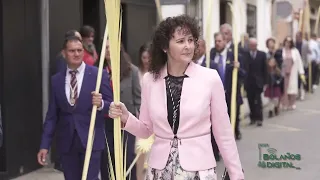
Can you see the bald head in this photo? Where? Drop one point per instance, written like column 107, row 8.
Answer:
column 226, row 30
column 253, row 40
column 253, row 44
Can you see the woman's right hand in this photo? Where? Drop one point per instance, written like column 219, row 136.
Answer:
column 119, row 110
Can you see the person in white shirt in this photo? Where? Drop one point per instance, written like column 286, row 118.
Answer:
column 315, row 59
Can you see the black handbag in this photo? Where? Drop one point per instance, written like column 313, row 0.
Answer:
column 225, row 175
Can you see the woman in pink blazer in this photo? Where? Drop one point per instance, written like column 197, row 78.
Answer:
column 181, row 101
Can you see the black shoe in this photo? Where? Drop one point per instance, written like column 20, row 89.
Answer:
column 58, row 166
column 252, row 122
column 276, row 111
column 259, row 123
column 270, row 114
column 238, row 136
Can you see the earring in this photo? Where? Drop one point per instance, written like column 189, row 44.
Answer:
column 165, row 51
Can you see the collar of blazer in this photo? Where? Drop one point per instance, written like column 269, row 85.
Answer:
column 190, row 71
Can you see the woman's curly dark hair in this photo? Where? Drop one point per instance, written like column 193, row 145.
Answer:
column 162, row 36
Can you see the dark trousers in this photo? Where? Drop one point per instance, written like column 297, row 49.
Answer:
column 72, row 162
column 130, row 155
column 57, row 163
column 237, row 128
column 306, row 74
column 255, row 104
column 315, row 73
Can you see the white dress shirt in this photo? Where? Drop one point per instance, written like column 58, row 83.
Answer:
column 201, row 59
column 79, row 76
column 228, row 45
column 315, row 51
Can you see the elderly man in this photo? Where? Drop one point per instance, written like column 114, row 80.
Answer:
column 256, row 80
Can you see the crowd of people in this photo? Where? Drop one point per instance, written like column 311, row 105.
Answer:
column 172, row 94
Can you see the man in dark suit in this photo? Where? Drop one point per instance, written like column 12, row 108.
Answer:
column 222, row 60
column 256, row 67
column 69, row 113
column 226, row 30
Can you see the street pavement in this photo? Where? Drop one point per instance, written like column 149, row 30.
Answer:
column 292, row 132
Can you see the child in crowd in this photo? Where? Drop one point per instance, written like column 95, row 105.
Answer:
column 273, row 90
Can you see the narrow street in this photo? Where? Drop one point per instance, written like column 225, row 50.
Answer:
column 294, row 132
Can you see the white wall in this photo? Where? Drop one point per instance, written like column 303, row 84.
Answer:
column 172, row 10
column 239, row 19
column 263, row 22
column 215, row 23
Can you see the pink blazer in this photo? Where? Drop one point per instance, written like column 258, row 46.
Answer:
column 202, row 105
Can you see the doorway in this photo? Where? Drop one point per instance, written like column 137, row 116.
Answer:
column 91, row 16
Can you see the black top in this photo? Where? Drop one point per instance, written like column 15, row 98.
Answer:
column 175, row 84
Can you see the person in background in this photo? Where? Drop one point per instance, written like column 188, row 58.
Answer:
column 292, row 67
column 223, row 61
column 245, row 43
column 181, row 103
column 303, row 47
column 60, row 60
column 144, row 65
column 90, row 55
column 144, row 59
column 69, row 113
column 131, row 96
column 315, row 60
column 275, row 53
column 255, row 82
column 273, row 90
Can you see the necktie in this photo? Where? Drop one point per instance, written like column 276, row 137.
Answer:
column 221, row 68
column 253, row 54
column 73, row 87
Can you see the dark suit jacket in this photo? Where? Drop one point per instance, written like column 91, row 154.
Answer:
column 256, row 71
column 241, row 51
column 228, row 73
column 64, row 119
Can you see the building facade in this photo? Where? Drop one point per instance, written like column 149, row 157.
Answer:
column 251, row 16
column 286, row 22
